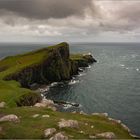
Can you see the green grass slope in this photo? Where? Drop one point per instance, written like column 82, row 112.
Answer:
column 13, row 64
column 33, row 128
column 11, row 91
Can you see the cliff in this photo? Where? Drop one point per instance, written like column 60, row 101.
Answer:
column 51, row 64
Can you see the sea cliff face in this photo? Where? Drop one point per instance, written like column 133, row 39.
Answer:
column 43, row 66
column 56, row 65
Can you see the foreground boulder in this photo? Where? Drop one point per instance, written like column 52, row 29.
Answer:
column 10, row 118
column 49, row 132
column 59, row 136
column 68, row 123
column 107, row 135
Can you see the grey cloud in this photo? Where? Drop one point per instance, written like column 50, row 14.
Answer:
column 45, row 9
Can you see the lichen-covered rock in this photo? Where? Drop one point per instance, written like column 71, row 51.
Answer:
column 2, row 104
column 40, row 105
column 68, row 123
column 53, row 108
column 59, row 136
column 49, row 132
column 35, row 115
column 92, row 137
column 47, row 102
column 46, row 116
column 106, row 135
column 10, row 118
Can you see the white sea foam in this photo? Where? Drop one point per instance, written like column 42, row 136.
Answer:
column 134, row 55
column 89, row 67
column 122, row 65
column 43, row 90
column 80, row 69
column 73, row 78
column 53, row 84
column 72, row 82
column 81, row 74
column 89, row 53
column 67, row 106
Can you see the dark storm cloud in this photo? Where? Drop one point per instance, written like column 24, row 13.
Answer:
column 45, row 9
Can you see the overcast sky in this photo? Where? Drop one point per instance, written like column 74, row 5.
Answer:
column 70, row 20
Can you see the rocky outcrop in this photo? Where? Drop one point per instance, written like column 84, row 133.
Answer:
column 106, row 135
column 82, row 60
column 49, row 132
column 59, row 136
column 28, row 99
column 10, row 118
column 56, row 65
column 46, row 103
column 68, row 123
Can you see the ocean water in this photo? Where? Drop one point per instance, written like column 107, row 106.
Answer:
column 111, row 85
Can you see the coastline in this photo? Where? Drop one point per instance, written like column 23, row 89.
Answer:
column 31, row 100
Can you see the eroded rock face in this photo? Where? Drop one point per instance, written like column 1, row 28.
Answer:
column 29, row 99
column 107, row 135
column 68, row 123
column 59, row 136
column 10, row 118
column 49, row 132
column 2, row 104
column 46, row 103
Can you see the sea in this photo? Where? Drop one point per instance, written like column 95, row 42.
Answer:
column 112, row 85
